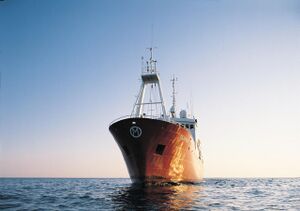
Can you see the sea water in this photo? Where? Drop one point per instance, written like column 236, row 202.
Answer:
column 121, row 194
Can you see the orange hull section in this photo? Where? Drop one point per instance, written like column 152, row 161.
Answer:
column 157, row 151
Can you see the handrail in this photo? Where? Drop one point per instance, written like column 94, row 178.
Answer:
column 122, row 117
column 133, row 116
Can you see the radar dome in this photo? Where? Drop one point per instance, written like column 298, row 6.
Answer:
column 182, row 114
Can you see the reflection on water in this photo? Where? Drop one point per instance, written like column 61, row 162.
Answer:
column 167, row 196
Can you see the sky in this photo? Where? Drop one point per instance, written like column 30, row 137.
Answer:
column 69, row 68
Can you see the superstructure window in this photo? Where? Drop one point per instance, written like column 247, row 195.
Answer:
column 160, row 149
column 192, row 126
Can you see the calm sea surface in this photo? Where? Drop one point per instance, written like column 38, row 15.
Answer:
column 120, row 194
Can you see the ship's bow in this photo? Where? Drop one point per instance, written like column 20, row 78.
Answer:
column 156, row 150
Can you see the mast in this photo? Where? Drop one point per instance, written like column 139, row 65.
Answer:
column 173, row 108
column 150, row 78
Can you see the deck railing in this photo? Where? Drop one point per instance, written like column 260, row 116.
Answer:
column 142, row 116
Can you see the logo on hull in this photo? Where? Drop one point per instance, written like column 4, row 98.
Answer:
column 135, row 131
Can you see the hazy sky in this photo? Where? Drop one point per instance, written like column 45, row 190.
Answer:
column 68, row 68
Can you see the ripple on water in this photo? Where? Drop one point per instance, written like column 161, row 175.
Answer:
column 120, row 194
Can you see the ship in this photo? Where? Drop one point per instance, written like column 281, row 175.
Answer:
column 157, row 146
